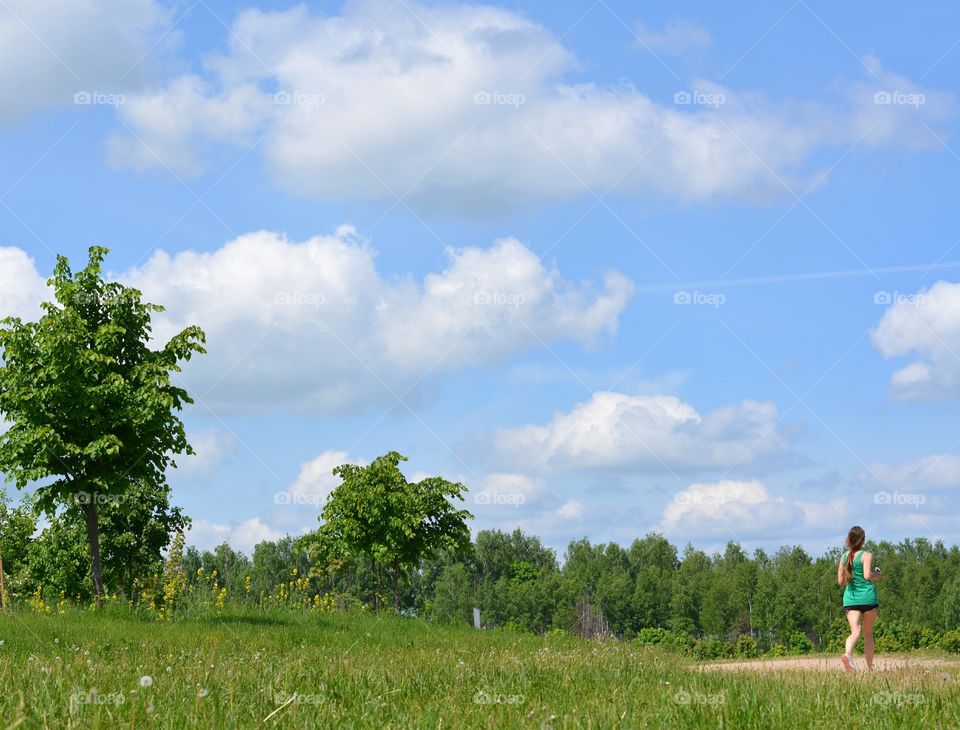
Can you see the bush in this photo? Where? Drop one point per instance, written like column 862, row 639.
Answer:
column 929, row 639
column 950, row 641
column 652, row 636
column 800, row 643
column 669, row 640
column 746, row 648
column 779, row 650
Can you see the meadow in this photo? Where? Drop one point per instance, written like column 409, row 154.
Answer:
column 276, row 668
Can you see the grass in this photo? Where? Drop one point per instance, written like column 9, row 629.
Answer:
column 358, row 671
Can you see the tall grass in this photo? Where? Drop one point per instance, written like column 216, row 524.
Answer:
column 246, row 668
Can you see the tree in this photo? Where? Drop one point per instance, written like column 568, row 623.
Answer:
column 90, row 403
column 134, row 532
column 17, row 526
column 377, row 513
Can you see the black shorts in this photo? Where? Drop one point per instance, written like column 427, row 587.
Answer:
column 861, row 608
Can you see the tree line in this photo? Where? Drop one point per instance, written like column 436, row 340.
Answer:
column 92, row 418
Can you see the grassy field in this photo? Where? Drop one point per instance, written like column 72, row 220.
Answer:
column 82, row 670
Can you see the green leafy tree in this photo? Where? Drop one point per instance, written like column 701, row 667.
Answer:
column 376, row 512
column 134, row 533
column 92, row 406
column 17, row 525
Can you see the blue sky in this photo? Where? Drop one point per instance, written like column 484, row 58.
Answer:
column 687, row 268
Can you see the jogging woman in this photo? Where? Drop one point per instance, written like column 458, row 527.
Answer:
column 859, row 597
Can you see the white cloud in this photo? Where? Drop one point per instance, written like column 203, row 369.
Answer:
column 927, row 326
column 677, row 37
column 744, row 509
column 646, row 433
column 316, row 480
column 21, row 286
column 314, row 326
column 53, row 49
column 467, row 108
column 212, row 446
column 927, row 472
column 242, row 536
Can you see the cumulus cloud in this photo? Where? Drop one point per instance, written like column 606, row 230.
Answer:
column 315, row 480
column 927, row 326
column 21, row 286
column 242, row 536
column 467, row 108
column 314, row 326
column 731, row 509
column 637, row 433
column 54, row 49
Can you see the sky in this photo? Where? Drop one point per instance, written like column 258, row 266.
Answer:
column 688, row 268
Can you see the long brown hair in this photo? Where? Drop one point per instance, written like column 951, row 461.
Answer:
column 855, row 539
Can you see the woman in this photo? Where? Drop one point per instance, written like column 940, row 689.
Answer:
column 859, row 597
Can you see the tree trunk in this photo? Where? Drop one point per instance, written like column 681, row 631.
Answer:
column 395, row 570
column 3, row 587
column 93, row 536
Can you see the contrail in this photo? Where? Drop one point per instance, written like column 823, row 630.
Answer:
column 783, row 278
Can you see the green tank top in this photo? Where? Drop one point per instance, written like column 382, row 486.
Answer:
column 859, row 591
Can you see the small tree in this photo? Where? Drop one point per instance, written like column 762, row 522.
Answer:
column 377, row 513
column 90, row 402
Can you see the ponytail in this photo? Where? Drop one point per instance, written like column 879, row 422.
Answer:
column 855, row 539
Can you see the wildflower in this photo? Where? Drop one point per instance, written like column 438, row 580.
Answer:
column 146, row 681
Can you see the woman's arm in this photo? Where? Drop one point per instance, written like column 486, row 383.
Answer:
column 868, row 571
column 840, row 572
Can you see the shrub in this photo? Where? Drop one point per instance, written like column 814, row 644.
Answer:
column 950, row 641
column 929, row 639
column 800, row 643
column 778, row 650
column 746, row 647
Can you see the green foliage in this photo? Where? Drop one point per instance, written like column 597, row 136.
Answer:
column 376, row 513
column 950, row 641
column 800, row 643
column 747, row 648
column 91, row 405
column 453, row 596
column 135, row 530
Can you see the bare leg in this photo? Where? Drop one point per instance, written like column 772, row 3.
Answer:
column 869, row 619
column 853, row 618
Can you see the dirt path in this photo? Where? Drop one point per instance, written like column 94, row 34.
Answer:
column 823, row 664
